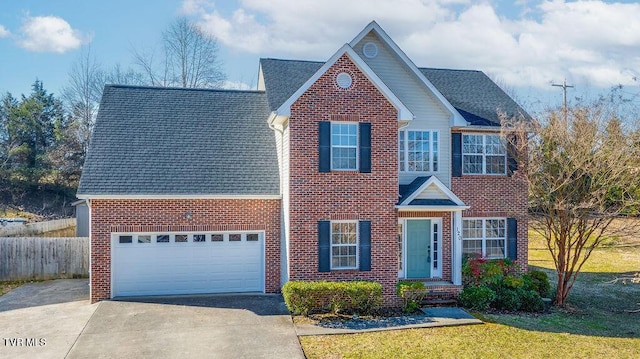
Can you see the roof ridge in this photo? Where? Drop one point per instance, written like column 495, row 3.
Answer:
column 446, row 69
column 147, row 87
column 292, row 60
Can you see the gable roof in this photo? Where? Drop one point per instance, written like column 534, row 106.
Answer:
column 175, row 141
column 472, row 93
column 403, row 112
column 409, row 194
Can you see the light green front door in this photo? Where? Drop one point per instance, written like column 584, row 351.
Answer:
column 418, row 248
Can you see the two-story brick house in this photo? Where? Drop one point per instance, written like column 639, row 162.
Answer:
column 360, row 167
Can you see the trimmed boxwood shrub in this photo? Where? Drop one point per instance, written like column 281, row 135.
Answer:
column 530, row 301
column 538, row 281
column 507, row 299
column 477, row 297
column 412, row 294
column 323, row 297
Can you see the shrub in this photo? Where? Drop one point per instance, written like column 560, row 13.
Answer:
column 530, row 301
column 490, row 272
column 507, row 299
column 412, row 294
column 323, row 297
column 512, row 281
column 477, row 297
column 538, row 281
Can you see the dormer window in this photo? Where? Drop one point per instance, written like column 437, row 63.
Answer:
column 418, row 151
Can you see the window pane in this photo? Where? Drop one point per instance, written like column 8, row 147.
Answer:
column 343, row 244
column 472, row 164
column 235, row 237
column 496, row 164
column 419, row 151
column 495, row 228
column 472, row 247
column 199, row 238
column 495, row 248
column 252, row 237
column 126, row 239
column 144, row 239
column 217, row 237
column 181, row 238
column 401, row 150
column 472, row 144
column 162, row 238
column 344, row 146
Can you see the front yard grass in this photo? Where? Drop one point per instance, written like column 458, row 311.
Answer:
column 596, row 323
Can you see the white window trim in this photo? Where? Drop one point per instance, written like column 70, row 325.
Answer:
column 190, row 234
column 435, row 272
column 357, row 244
column 484, row 235
column 357, row 146
column 484, row 156
column 405, row 150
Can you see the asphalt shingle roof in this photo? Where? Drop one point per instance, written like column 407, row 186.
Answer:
column 476, row 97
column 172, row 141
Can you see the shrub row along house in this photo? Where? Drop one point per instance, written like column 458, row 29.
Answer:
column 361, row 167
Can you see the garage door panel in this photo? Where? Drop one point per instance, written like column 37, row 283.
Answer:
column 187, row 267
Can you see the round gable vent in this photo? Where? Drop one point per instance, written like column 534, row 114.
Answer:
column 344, row 80
column 370, row 50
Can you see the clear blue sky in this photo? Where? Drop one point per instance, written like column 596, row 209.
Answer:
column 526, row 45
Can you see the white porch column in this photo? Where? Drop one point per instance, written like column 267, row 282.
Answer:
column 456, row 258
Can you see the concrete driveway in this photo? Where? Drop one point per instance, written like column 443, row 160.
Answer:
column 211, row 326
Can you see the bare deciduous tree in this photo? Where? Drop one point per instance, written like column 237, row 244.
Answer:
column 83, row 93
column 189, row 58
column 582, row 171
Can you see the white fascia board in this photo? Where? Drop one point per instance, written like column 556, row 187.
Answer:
column 404, row 114
column 402, row 208
column 433, row 180
column 478, row 128
column 456, row 117
column 177, row 196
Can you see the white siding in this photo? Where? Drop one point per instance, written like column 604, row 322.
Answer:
column 430, row 113
column 432, row 192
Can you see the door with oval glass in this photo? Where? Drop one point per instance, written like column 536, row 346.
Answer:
column 418, row 248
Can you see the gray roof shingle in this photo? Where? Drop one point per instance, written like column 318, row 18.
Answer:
column 174, row 141
column 472, row 93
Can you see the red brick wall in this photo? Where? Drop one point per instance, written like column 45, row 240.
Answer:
column 148, row 215
column 343, row 195
column 497, row 196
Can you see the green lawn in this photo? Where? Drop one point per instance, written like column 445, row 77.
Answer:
column 595, row 325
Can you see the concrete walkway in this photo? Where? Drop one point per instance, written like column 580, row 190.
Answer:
column 54, row 319
column 433, row 317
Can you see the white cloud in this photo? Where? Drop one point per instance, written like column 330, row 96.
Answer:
column 50, row 34
column 4, row 32
column 591, row 42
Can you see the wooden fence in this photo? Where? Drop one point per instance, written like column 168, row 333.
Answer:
column 30, row 229
column 43, row 258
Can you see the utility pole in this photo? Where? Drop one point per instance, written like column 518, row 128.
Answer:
column 564, row 94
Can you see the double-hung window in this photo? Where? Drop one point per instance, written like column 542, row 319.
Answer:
column 344, row 245
column 484, row 154
column 344, row 146
column 485, row 237
column 418, row 151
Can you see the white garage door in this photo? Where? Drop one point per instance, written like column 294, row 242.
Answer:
column 186, row 263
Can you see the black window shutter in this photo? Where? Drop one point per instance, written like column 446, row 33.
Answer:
column 456, row 155
column 365, row 147
column 512, row 238
column 324, row 246
column 324, row 146
column 512, row 163
column 365, row 245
